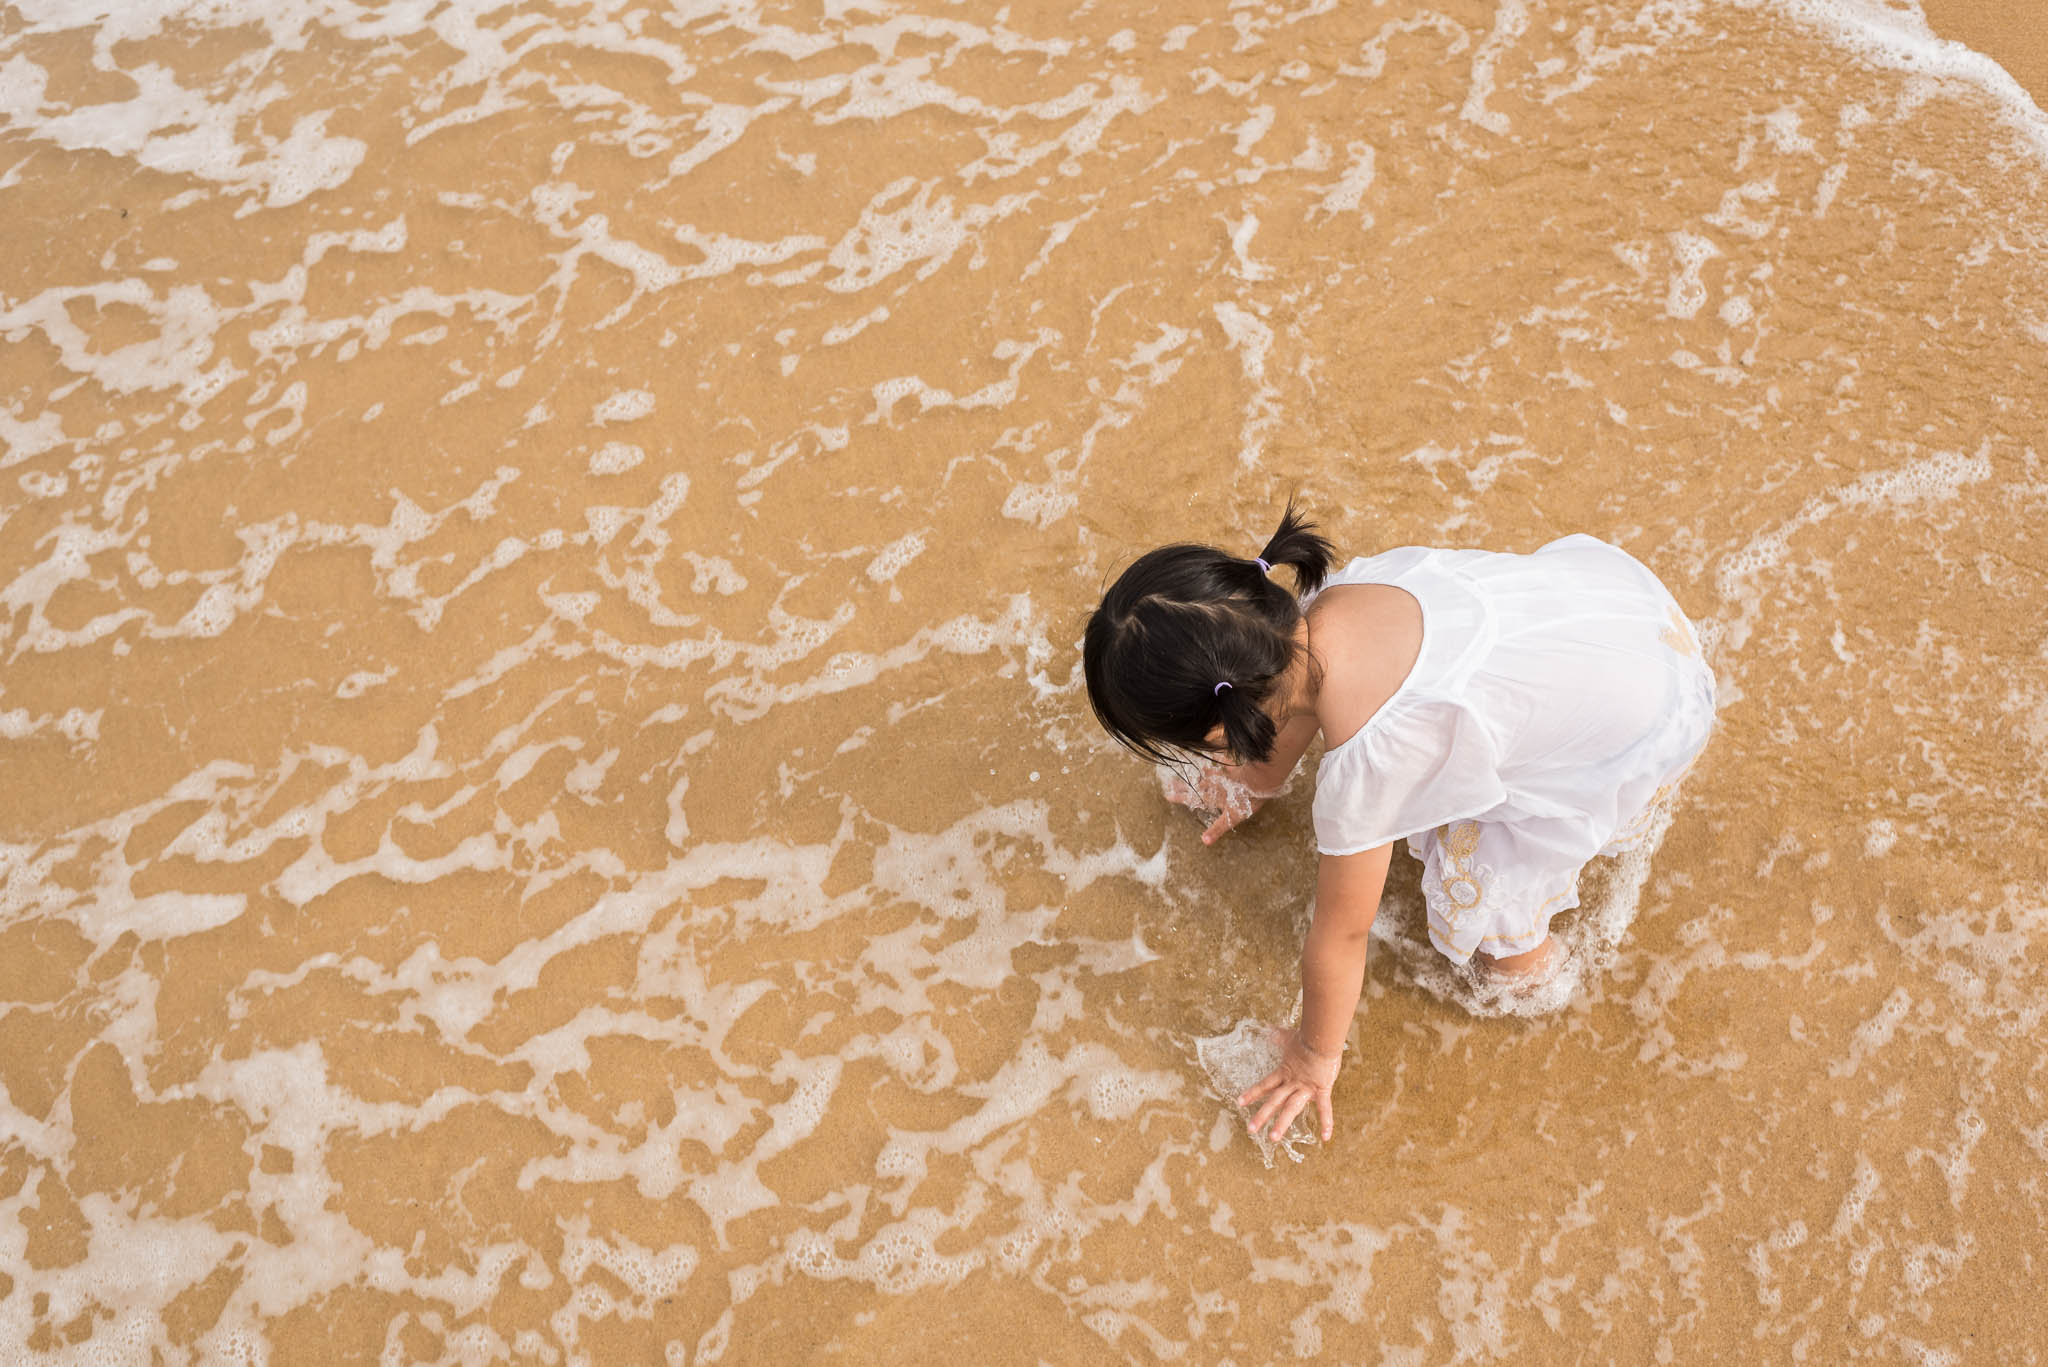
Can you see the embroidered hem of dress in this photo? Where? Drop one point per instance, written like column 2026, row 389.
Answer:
column 1454, row 892
column 1454, row 888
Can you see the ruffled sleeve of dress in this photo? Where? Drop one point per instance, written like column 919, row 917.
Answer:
column 1425, row 757
column 1428, row 763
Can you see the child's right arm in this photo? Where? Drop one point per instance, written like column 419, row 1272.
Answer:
column 1348, row 889
column 1239, row 789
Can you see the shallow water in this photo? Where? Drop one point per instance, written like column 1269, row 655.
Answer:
column 548, row 810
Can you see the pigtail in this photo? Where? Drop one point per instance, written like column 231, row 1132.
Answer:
column 1300, row 545
column 1248, row 732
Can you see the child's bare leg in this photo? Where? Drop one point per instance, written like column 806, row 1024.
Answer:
column 1528, row 964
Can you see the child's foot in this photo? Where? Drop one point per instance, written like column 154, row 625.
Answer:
column 1530, row 966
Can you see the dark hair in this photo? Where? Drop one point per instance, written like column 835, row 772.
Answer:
column 1184, row 619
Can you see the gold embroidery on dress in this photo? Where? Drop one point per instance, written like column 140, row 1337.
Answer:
column 1678, row 635
column 1541, row 924
column 1457, row 842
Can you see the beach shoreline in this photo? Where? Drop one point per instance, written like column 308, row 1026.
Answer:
column 2009, row 32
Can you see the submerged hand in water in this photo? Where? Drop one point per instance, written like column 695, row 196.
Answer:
column 1210, row 789
column 1301, row 1076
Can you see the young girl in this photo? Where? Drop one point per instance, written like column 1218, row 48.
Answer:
column 1511, row 715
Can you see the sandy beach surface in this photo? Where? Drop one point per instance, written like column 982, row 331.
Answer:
column 548, row 813
column 2013, row 33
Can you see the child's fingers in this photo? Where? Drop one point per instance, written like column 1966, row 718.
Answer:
column 1323, row 1113
column 1295, row 1102
column 1278, row 1112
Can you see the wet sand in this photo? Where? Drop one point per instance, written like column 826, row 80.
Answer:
column 547, row 809
column 2013, row 33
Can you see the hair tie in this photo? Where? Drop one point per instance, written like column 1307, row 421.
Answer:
column 1260, row 561
column 1218, row 689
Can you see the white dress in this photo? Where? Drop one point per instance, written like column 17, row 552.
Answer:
column 1557, row 699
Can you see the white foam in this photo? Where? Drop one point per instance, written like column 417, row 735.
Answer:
column 1733, row 213
column 168, row 128
column 891, row 560
column 24, row 439
column 724, row 254
column 1253, row 340
column 1348, row 193
column 75, row 724
column 898, row 1259
column 908, row 225
column 1875, row 1032
column 1831, row 182
column 187, row 322
column 1117, row 1092
column 615, row 458
column 1936, row 478
column 161, row 916
column 1244, row 268
column 1895, row 33
column 1687, row 293
column 1253, row 130
column 1042, row 504
column 1510, row 22
column 626, row 405
column 1781, row 126
column 890, row 392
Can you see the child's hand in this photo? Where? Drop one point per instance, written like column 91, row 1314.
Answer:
column 1303, row 1076
column 1212, row 791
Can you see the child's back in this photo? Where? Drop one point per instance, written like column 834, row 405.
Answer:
column 1555, row 697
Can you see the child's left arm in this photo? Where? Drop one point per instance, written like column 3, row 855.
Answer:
column 1348, row 888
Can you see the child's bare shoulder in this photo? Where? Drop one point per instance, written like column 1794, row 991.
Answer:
column 1367, row 637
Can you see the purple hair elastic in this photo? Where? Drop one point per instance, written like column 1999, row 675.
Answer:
column 1260, row 561
column 1218, row 689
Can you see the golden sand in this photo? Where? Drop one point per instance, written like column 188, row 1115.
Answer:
column 547, row 811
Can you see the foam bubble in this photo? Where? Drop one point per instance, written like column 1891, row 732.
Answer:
column 1116, row 1093
column 1875, row 1032
column 1687, row 293
column 626, row 405
column 1510, row 22
column 1249, row 334
column 1253, row 340
column 162, row 916
column 1348, row 194
column 615, row 457
column 1042, row 504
